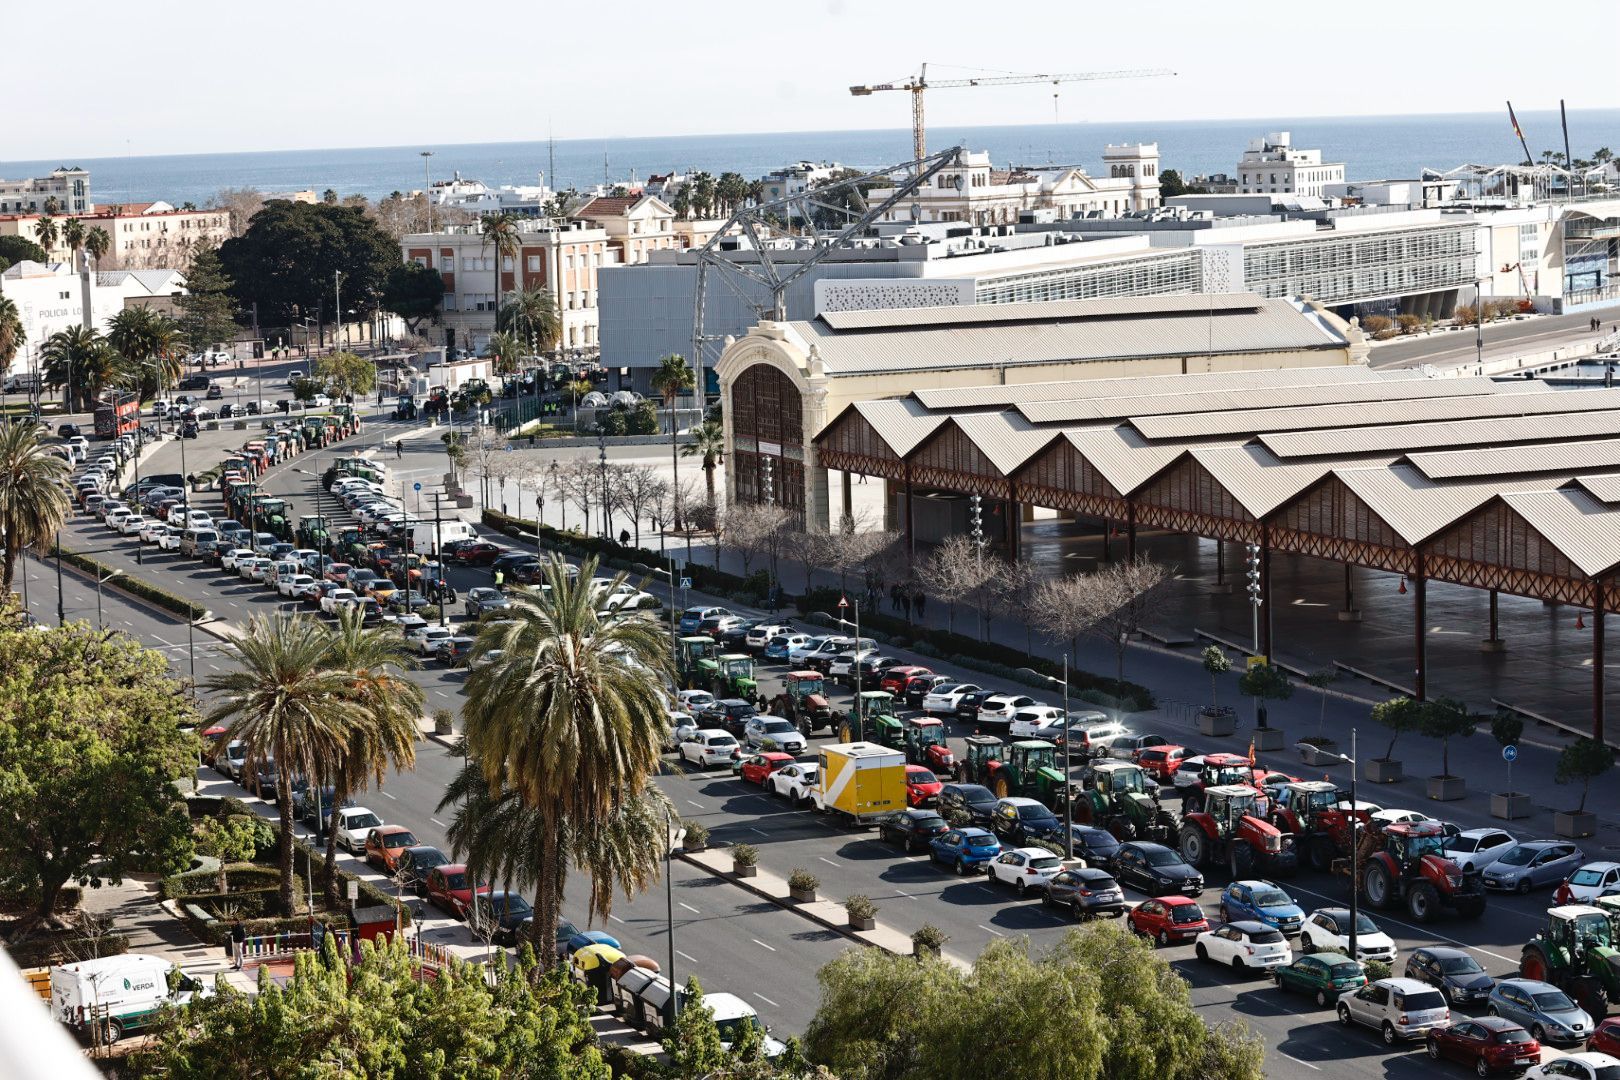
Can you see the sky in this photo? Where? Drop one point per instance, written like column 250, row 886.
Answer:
column 242, row 77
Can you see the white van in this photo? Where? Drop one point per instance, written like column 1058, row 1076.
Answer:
column 128, row 991
column 425, row 534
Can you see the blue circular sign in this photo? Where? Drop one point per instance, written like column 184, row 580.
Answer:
column 417, row 486
column 1510, row 752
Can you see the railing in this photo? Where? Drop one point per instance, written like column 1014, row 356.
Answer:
column 264, row 948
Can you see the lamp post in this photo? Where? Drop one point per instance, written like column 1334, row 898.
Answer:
column 61, row 612
column 601, row 457
column 675, row 837
column 1068, row 800
column 1255, row 601
column 770, row 485
column 99, row 582
column 1355, row 858
column 977, row 530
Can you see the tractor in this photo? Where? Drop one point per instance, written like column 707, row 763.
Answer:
column 734, row 677
column 1119, row 798
column 1319, row 819
column 405, row 407
column 803, row 701
column 1407, row 862
column 1231, row 830
column 1576, row 953
column 925, row 744
column 273, row 514
column 1027, row 768
column 313, row 530
column 697, row 661
column 872, row 718
column 1218, row 770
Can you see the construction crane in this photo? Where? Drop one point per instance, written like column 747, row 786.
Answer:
column 919, row 143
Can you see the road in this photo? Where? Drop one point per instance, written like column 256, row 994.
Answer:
column 1501, row 339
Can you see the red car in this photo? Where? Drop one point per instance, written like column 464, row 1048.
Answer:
column 1163, row 761
column 922, row 786
column 1489, row 1044
column 894, row 680
column 755, row 768
column 1169, row 919
column 450, row 889
column 1606, row 1038
column 477, row 553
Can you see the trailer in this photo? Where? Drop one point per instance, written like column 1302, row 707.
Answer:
column 860, row 780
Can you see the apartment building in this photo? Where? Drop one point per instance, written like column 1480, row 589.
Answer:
column 66, row 188
column 636, row 225
column 143, row 236
column 1274, row 164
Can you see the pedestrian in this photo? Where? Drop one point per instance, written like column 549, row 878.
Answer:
column 500, row 578
column 919, row 601
column 238, row 939
column 399, row 449
column 624, row 537
column 317, row 937
column 531, row 438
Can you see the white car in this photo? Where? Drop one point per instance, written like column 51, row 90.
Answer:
column 196, row 519
column 352, row 825
column 1475, row 849
column 168, row 539
column 693, row 701
column 201, row 411
column 1328, row 930
column 428, row 639
column 1398, row 1008
column 755, row 639
column 1591, row 881
column 335, row 601
column 293, row 586
column 408, row 622
column 1587, row 1065
column 787, row 738
column 320, row 401
column 254, row 569
column 817, row 648
column 709, row 746
column 151, row 529
column 681, row 726
column 131, row 523
column 115, row 517
column 844, row 663
column 1036, row 722
column 232, row 558
column 1244, row 945
column 1393, row 816
column 624, row 598
column 943, row 699
column 997, row 710
column 793, row 782
column 1025, row 868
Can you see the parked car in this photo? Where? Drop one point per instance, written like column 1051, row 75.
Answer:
column 1261, row 902
column 996, row 712
column 1025, row 868
column 778, row 647
column 1020, row 820
column 965, row 850
column 729, row 714
column 1036, row 722
column 1475, row 849
column 912, row 829
column 1097, row 846
column 1589, row 882
column 385, row 844
column 918, row 687
column 414, row 864
column 975, row 800
column 1168, row 920
column 1454, row 972
column 1544, row 1010
column 922, row 786
column 1532, row 864
column 450, row 888
column 782, row 732
column 1397, row 1008
column 709, row 746
column 757, row 768
column 1586, row 1066
column 1489, row 1045
column 352, row 825
column 472, row 552
column 1156, row 870
column 1087, row 892
column 1325, row 977
column 500, row 914
column 1606, row 1039
column 793, row 782
column 1244, row 946
column 1163, row 761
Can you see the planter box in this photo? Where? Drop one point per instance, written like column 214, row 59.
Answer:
column 1447, row 788
column 1380, row 771
column 691, row 845
column 744, row 869
column 1322, row 757
column 1573, row 824
column 1216, row 722
column 1510, row 805
column 802, row 896
column 862, row 924
column 1269, row 738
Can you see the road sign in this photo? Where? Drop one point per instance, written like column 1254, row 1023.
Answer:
column 1510, row 752
column 843, row 602
column 417, row 486
column 1257, row 661
column 686, row 583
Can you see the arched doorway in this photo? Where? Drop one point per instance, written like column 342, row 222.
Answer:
column 767, row 424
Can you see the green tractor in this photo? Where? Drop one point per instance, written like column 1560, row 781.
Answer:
column 734, row 677
column 273, row 514
column 1576, row 953
column 872, row 718
column 1120, row 799
column 313, row 531
column 697, row 661
column 1027, row 768
column 803, row 701
column 240, row 499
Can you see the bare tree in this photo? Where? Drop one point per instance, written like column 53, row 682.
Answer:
column 640, row 487
column 241, row 204
column 958, row 571
column 1110, row 604
column 757, row 529
column 577, row 482
column 531, row 471
column 1010, row 594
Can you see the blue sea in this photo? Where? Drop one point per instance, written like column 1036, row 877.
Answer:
column 1370, row 147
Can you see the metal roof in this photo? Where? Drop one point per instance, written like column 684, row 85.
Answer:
column 1603, row 488
column 978, row 397
column 1258, row 479
column 1495, row 431
column 1277, row 397
column 1123, row 457
column 1007, row 439
column 901, row 422
column 1042, row 311
column 1583, row 529
column 1571, row 457
column 1417, row 507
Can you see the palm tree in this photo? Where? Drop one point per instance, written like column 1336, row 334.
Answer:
column 33, row 494
column 682, row 203
column 383, row 735
column 703, row 194
column 45, row 233
column 570, row 717
column 97, row 243
column 52, row 204
column 531, row 314
column 82, row 361
column 501, row 232
column 673, row 378
column 12, row 332
column 285, row 703
column 73, row 235
column 731, row 189
column 708, row 440
column 147, row 339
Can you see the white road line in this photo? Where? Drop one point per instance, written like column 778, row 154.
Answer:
column 905, row 894
column 616, row 919
column 695, row 803
column 761, row 832
column 439, row 823
column 987, row 930
column 762, row 945
column 768, row 1001
column 387, row 795
column 826, row 860
column 1307, row 1064
column 689, row 907
column 691, row 959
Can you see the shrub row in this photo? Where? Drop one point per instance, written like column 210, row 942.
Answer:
column 67, row 899
column 244, row 876
column 135, row 586
column 46, row 950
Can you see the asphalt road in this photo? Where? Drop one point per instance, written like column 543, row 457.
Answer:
column 1501, row 339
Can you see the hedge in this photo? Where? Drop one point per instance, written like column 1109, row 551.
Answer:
column 135, row 586
column 46, row 951
column 243, row 876
column 67, row 899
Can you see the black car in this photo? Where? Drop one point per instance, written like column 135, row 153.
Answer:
column 1088, row 893
column 415, row 862
column 920, row 686
column 500, row 914
column 1156, row 870
column 1097, row 846
column 975, row 800
column 1454, row 972
column 968, row 707
column 912, row 829
column 1018, row 821
column 68, row 431
column 304, row 799
column 872, row 669
column 735, row 639
column 404, row 600
column 214, row 392
column 529, row 572
column 728, row 713
column 507, row 560
column 188, row 430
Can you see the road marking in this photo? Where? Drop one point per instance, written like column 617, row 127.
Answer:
column 386, row 794
column 695, row 803
column 905, row 894
column 761, row 944
column 761, row 832
column 826, row 860
column 689, row 907
column 768, row 1001
column 692, row 959
column 1307, row 1064
column 985, row 928
column 616, row 919
column 439, row 823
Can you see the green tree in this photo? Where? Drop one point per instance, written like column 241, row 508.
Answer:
column 46, row 232
column 286, row 258
column 98, row 243
column 83, row 362
column 694, row 1046
column 345, row 374
column 233, row 839
column 16, row 249
column 673, row 378
column 570, row 715
column 500, row 231
column 709, row 443
column 531, row 314
column 148, row 341
column 33, row 495
column 414, row 293
column 73, row 235
column 207, row 313
column 92, row 737
column 1444, row 718
column 12, row 332
column 703, row 194
column 1216, row 663
column 285, row 702
column 731, row 189
column 505, row 348
column 1583, row 761
column 1399, row 715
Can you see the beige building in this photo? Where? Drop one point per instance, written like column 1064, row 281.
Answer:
column 144, row 236
column 785, row 384
column 1273, row 164
column 974, row 192
column 69, row 187
column 636, row 225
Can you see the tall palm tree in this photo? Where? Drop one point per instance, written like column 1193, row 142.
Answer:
column 33, row 499
column 97, row 243
column 506, row 349
column 531, row 314
column 570, row 716
column 709, row 442
column 383, row 735
column 673, row 378
column 45, row 233
column 286, row 703
column 82, row 361
column 501, row 232
column 12, row 332
column 73, row 234
column 148, row 339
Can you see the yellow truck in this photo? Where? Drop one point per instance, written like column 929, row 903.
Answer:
column 860, row 780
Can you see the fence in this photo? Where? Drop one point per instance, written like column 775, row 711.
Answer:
column 263, row 948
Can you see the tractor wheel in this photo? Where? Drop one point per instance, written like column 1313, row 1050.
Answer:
column 1322, row 852
column 845, row 733
column 1421, row 901
column 1002, row 788
column 1242, row 860
column 1533, row 963
column 1376, row 884
column 1122, row 829
column 1165, row 822
column 1194, row 845
column 1588, row 993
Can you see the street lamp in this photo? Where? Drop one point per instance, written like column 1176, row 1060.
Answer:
column 1068, row 796
column 977, row 531
column 1355, row 856
column 601, row 457
column 99, row 582
column 1255, row 600
column 770, row 486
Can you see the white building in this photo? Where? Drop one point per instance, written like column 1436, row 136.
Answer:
column 50, row 297
column 796, row 179
column 477, row 197
column 1273, row 164
column 69, row 186
column 977, row 194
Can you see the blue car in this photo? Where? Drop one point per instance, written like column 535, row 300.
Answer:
column 1262, row 902
column 964, row 849
column 692, row 618
column 777, row 648
column 1542, row 1009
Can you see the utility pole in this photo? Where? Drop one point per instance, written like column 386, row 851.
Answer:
column 427, row 187
column 1254, row 609
column 436, row 536
column 1355, row 859
column 337, row 296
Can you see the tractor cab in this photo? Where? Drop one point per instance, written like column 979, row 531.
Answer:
column 273, row 512
column 313, row 529
column 697, row 660
column 734, row 676
column 874, row 711
column 1120, row 778
column 926, row 745
column 1222, row 769
column 1121, row 799
column 1229, row 804
column 1412, row 841
column 803, row 701
column 1575, row 952
column 1307, row 798
column 982, row 750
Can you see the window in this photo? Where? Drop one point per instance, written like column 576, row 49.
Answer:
column 506, row 262
column 534, row 263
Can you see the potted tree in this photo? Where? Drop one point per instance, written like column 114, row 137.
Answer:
column 1442, row 719
column 862, row 912
column 928, row 940
column 744, row 860
column 443, row 722
column 802, row 885
column 697, row 836
column 1266, row 682
column 1583, row 760
column 1216, row 719
column 1509, row 804
column 1399, row 715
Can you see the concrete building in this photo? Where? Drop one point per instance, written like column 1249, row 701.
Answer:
column 562, row 258
column 477, row 197
column 51, row 297
column 796, row 179
column 1273, row 164
column 68, row 185
column 636, row 225
column 977, row 194
column 144, row 236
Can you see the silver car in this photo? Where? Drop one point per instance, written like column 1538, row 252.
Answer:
column 1532, row 865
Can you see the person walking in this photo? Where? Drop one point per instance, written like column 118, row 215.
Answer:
column 399, row 449
column 919, row 601
column 238, row 939
column 500, row 578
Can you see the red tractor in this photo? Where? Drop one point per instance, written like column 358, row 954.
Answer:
column 1216, row 770
column 1231, row 830
column 1407, row 863
column 1319, row 819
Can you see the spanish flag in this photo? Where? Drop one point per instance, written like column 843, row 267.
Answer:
column 1251, row 753
column 1515, row 121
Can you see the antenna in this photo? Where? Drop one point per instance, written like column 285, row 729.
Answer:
column 551, row 154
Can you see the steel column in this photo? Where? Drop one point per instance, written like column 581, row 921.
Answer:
column 910, row 519
column 1130, row 533
column 849, row 496
column 1420, row 620
column 1597, row 664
